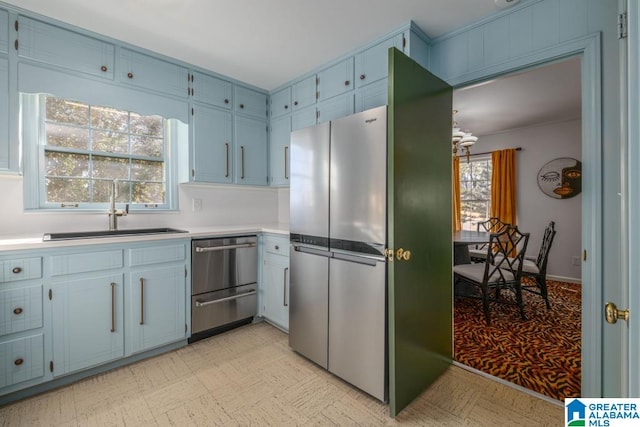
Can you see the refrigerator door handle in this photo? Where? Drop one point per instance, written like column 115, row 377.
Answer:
column 357, row 259
column 312, row 251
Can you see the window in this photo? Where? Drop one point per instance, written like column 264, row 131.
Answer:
column 83, row 148
column 475, row 191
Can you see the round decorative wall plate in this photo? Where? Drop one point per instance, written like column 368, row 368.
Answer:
column 561, row 178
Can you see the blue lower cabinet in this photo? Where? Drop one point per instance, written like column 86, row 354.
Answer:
column 87, row 322
column 21, row 360
column 155, row 307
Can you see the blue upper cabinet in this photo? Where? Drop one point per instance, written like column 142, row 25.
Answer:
column 250, row 151
column 303, row 93
column 4, row 114
column 212, row 90
column 281, row 102
column 334, row 108
column 304, row 118
column 46, row 43
column 211, row 144
column 372, row 64
column 148, row 72
column 336, row 79
column 4, row 31
column 373, row 95
column 250, row 102
column 279, row 151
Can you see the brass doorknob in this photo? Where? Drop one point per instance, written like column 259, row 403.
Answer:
column 401, row 254
column 388, row 254
column 612, row 313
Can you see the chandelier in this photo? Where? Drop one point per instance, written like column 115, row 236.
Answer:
column 461, row 140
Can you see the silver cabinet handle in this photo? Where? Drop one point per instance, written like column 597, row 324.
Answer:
column 113, row 307
column 286, row 170
column 226, row 147
column 224, row 248
column 284, row 296
column 200, row 303
column 242, row 160
column 142, row 300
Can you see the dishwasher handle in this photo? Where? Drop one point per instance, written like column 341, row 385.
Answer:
column 200, row 303
column 200, row 249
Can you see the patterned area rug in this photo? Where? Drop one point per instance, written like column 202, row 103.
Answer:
column 541, row 353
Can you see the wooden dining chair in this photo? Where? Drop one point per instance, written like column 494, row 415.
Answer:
column 501, row 270
column 536, row 268
column 492, row 225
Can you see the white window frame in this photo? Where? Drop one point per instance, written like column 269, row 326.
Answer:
column 479, row 158
column 33, row 135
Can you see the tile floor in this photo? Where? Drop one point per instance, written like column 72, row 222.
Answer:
column 249, row 376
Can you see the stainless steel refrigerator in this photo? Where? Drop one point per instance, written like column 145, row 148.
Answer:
column 338, row 208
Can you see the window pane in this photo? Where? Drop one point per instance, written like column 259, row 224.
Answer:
column 109, row 118
column 66, row 111
column 146, row 146
column 67, row 136
column 102, row 191
column 146, row 125
column 147, row 192
column 110, row 168
column 110, row 142
column 481, row 170
column 65, row 164
column 147, row 171
column 482, row 190
column 465, row 171
column 466, row 192
column 61, row 190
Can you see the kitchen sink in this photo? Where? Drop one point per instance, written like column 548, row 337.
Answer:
column 108, row 233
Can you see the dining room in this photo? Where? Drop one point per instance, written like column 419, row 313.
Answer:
column 517, row 228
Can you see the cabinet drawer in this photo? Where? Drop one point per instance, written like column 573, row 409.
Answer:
column 21, row 269
column 20, row 309
column 56, row 46
column 157, row 254
column 151, row 73
column 213, row 91
column 276, row 245
column 86, row 262
column 21, row 360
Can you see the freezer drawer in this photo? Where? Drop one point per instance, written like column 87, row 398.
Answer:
column 219, row 308
column 357, row 322
column 308, row 303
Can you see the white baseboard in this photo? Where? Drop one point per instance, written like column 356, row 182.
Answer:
column 565, row 279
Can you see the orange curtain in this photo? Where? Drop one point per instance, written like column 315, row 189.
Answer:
column 457, row 223
column 503, row 185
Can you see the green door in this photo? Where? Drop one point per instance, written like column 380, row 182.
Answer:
column 419, row 221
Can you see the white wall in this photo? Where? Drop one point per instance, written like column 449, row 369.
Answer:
column 541, row 144
column 221, row 205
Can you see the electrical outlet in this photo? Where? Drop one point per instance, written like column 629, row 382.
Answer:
column 196, row 205
column 575, row 260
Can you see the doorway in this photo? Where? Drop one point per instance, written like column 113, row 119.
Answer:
column 538, row 111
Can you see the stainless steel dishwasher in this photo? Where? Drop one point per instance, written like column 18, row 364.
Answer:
column 224, row 274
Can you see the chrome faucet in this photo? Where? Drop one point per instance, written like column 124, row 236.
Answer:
column 113, row 213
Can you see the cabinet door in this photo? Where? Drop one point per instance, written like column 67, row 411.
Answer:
column 53, row 45
column 275, row 282
column 211, row 142
column 335, row 80
column 304, row 118
column 303, row 93
column 4, row 31
column 279, row 151
column 281, row 102
column 334, row 108
column 251, row 151
column 372, row 64
column 250, row 102
column 87, row 322
column 151, row 73
column 373, row 95
column 213, row 91
column 5, row 147
column 155, row 307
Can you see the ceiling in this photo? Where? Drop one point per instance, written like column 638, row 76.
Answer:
column 551, row 93
column 264, row 43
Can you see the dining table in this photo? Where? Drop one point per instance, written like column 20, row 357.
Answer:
column 461, row 241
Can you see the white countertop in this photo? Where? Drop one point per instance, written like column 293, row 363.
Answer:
column 34, row 241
